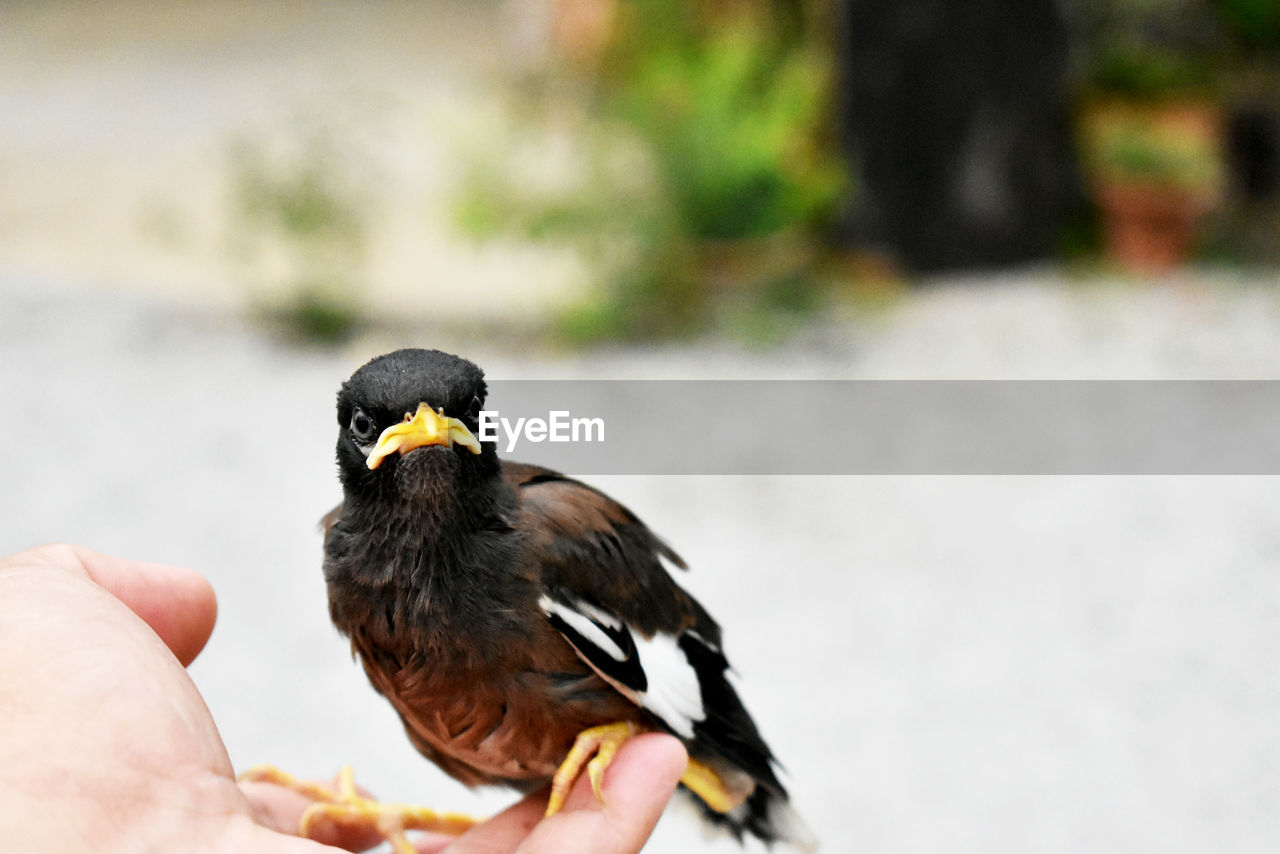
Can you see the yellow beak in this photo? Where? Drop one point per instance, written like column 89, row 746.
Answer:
column 424, row 427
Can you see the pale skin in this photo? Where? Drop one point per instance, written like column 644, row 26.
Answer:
column 106, row 743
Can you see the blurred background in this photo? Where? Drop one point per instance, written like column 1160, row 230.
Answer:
column 210, row 214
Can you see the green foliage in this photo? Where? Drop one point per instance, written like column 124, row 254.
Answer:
column 299, row 196
column 705, row 136
column 1147, row 49
column 734, row 119
column 1144, row 159
column 313, row 314
column 1149, row 71
column 1174, row 148
column 299, row 214
column 1255, row 22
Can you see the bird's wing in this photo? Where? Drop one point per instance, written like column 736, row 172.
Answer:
column 607, row 591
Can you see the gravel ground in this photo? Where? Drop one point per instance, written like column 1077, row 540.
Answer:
column 947, row 664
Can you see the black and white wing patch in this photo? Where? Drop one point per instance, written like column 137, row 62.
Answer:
column 657, row 673
column 681, row 679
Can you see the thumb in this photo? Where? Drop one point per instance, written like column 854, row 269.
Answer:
column 178, row 604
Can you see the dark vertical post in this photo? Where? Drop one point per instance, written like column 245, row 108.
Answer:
column 956, row 120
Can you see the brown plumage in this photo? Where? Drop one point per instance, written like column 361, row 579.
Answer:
column 506, row 719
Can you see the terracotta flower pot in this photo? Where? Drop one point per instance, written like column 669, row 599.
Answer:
column 1150, row 229
column 1157, row 169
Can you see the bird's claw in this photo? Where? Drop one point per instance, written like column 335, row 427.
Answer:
column 346, row 807
column 599, row 745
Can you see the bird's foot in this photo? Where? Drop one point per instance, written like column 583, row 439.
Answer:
column 347, row 808
column 596, row 747
column 714, row 791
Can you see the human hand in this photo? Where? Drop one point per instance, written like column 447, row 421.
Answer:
column 107, row 744
column 637, row 785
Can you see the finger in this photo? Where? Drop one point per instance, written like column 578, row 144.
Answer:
column 280, row 809
column 275, row 807
column 178, row 604
column 438, row 843
column 248, row 835
column 637, row 786
column 504, row 831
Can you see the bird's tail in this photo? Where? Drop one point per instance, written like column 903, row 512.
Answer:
column 768, row 815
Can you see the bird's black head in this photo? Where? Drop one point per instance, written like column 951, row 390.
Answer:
column 407, row 424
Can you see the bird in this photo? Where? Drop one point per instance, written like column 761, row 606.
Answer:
column 522, row 623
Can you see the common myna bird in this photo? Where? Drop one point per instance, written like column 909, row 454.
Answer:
column 521, row 622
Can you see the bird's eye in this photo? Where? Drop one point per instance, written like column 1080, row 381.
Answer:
column 473, row 411
column 362, row 427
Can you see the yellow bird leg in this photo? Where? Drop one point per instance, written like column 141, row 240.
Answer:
column 347, row 808
column 708, row 786
column 598, row 745
column 272, row 774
